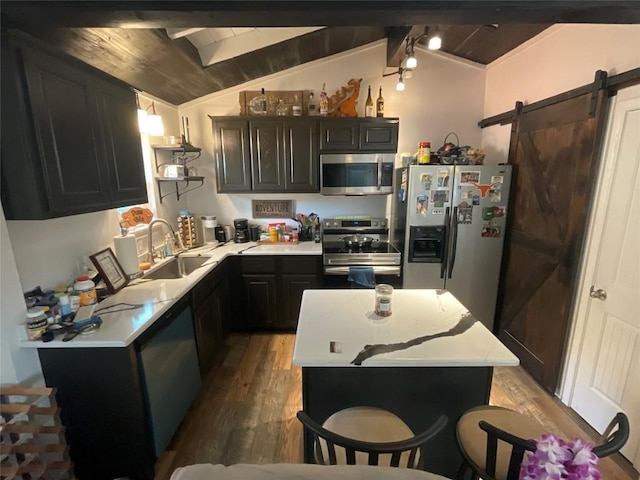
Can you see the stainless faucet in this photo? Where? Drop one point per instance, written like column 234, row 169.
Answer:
column 150, row 239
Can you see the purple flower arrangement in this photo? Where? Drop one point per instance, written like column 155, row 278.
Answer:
column 556, row 459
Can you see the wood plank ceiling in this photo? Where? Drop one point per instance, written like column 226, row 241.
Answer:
column 129, row 41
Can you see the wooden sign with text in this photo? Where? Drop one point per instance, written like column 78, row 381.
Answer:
column 272, row 208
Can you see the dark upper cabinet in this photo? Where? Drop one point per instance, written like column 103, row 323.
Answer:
column 70, row 142
column 353, row 135
column 301, row 155
column 233, row 162
column 339, row 135
column 380, row 135
column 121, row 139
column 266, row 154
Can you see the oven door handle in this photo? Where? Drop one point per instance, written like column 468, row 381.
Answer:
column 379, row 173
column 377, row 270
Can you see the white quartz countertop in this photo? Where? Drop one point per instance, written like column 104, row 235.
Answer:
column 128, row 313
column 426, row 328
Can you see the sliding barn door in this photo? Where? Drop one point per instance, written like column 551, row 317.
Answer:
column 554, row 151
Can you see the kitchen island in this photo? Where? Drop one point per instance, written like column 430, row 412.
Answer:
column 430, row 357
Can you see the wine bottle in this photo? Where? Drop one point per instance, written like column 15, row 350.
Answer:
column 324, row 102
column 368, row 106
column 380, row 105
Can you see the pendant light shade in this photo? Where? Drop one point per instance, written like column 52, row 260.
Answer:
column 151, row 124
column 400, row 85
column 412, row 61
column 435, row 42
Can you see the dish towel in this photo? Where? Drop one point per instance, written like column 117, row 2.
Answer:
column 362, row 277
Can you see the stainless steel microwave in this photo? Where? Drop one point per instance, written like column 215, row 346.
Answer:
column 356, row 174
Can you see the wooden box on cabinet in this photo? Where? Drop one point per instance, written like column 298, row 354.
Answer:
column 70, row 139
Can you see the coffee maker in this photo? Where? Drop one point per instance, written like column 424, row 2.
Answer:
column 241, row 226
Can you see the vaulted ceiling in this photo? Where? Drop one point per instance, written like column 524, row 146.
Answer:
column 179, row 51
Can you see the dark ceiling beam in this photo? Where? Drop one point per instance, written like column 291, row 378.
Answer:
column 265, row 13
column 395, row 43
column 291, row 53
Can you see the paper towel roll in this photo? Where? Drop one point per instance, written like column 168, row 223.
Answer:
column 127, row 253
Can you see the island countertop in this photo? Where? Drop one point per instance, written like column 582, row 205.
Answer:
column 426, row 328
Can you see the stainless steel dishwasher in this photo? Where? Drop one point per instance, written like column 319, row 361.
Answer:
column 171, row 375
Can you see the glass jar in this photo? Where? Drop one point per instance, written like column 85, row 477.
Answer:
column 383, row 300
column 282, row 109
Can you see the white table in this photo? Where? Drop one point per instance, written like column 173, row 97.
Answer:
column 428, row 358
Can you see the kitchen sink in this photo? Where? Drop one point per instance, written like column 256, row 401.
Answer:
column 177, row 268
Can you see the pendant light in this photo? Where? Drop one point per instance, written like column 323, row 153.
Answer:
column 149, row 123
column 412, row 61
column 435, row 41
column 155, row 125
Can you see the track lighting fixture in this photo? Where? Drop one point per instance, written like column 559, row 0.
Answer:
column 435, row 42
column 400, row 85
column 412, row 61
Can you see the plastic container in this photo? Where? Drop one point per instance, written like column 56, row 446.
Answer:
column 86, row 290
column 424, row 153
column 36, row 323
column 383, row 300
column 65, row 304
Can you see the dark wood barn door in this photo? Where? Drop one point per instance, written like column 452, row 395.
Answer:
column 554, row 150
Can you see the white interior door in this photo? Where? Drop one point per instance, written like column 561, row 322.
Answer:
column 608, row 365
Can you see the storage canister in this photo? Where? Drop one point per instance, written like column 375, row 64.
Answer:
column 86, row 290
column 36, row 323
column 424, row 153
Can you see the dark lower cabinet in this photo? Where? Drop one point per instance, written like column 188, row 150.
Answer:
column 212, row 318
column 121, row 405
column 70, row 139
column 271, row 288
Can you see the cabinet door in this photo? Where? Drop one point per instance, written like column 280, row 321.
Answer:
column 267, row 156
column 222, row 295
column 260, row 300
column 379, row 135
column 207, row 331
column 293, row 285
column 301, row 156
column 233, row 163
column 66, row 120
column 339, row 135
column 123, row 150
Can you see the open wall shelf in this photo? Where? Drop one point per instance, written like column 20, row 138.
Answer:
column 182, row 185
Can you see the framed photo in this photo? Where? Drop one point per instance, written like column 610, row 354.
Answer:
column 110, row 270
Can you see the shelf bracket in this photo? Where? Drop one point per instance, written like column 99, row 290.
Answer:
column 179, row 191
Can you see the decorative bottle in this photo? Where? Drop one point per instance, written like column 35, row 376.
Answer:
column 380, row 105
column 263, row 102
column 368, row 106
column 324, row 102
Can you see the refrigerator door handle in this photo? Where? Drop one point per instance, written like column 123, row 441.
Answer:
column 445, row 254
column 454, row 223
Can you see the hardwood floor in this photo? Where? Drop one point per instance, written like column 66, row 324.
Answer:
column 245, row 412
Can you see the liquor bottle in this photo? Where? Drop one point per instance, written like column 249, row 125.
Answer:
column 312, row 107
column 368, row 106
column 324, row 102
column 380, row 105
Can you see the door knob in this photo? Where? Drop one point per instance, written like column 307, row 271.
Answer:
column 599, row 294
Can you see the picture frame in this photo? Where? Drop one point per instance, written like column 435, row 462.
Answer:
column 110, row 270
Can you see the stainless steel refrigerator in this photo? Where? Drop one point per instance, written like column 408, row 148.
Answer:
column 449, row 222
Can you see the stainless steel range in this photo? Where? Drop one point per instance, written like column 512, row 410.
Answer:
column 359, row 242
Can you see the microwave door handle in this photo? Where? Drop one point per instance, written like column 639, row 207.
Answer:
column 379, row 173
column 454, row 246
column 445, row 254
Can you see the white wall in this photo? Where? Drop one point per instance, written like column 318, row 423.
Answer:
column 561, row 58
column 443, row 95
